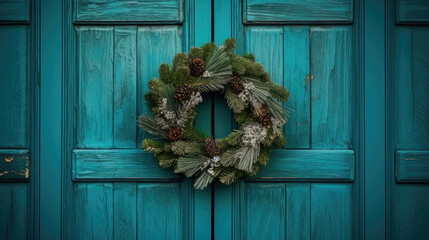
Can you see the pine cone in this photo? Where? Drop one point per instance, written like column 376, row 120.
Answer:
column 175, row 134
column 197, row 67
column 211, row 147
column 236, row 83
column 264, row 119
column 183, row 93
column 259, row 111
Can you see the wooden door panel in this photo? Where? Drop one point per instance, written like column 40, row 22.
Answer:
column 306, row 190
column 297, row 11
column 17, row 91
column 297, row 211
column 14, row 88
column 116, row 190
column 409, row 92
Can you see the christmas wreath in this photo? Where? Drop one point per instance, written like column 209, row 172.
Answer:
column 257, row 103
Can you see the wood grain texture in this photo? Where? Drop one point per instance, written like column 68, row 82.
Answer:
column 265, row 216
column 295, row 165
column 278, row 11
column 297, row 79
column 14, row 10
column 95, row 87
column 266, row 43
column 331, row 87
column 115, row 165
column 411, row 217
column 125, row 77
column 412, row 166
column 412, row 11
column 129, row 10
column 155, row 45
column 14, row 164
column 331, row 211
column 124, row 210
column 159, row 211
column 411, row 89
column 14, row 211
column 93, row 215
column 14, row 92
column 298, row 210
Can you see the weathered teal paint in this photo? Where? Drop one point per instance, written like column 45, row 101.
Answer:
column 16, row 116
column 298, row 11
column 51, row 89
column 408, row 124
column 356, row 164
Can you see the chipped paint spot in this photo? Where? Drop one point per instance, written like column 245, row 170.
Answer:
column 409, row 159
column 8, row 159
column 307, row 79
column 299, row 124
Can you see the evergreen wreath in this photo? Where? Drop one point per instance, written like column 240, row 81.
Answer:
column 255, row 100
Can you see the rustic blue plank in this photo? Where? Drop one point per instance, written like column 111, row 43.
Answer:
column 14, row 211
column 95, row 87
column 129, row 10
column 265, row 213
column 298, row 211
column 113, row 164
column 331, row 87
column 14, row 164
column 278, row 11
column 297, row 80
column 412, row 166
column 412, row 212
column 93, row 214
column 158, row 211
column 202, row 213
column 412, row 88
column 308, row 165
column 124, row 210
column 412, row 11
column 155, row 45
column 266, row 43
column 125, row 76
column 14, row 10
column 14, row 97
column 331, row 211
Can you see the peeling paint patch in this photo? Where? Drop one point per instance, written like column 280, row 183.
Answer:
column 8, row 159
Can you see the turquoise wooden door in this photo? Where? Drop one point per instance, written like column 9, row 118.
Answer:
column 72, row 78
column 114, row 190
column 408, row 145
column 17, row 89
column 309, row 188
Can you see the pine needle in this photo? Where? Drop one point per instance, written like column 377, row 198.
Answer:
column 190, row 165
column 151, row 126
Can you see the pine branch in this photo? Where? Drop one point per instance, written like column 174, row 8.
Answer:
column 203, row 85
column 203, row 180
column 183, row 148
column 234, row 102
column 151, row 126
column 168, row 93
column 228, row 176
column 190, row 165
column 151, row 145
column 166, row 159
column 249, row 156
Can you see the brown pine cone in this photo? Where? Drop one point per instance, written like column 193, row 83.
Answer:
column 260, row 110
column 211, row 147
column 236, row 83
column 264, row 119
column 175, row 134
column 197, row 67
column 183, row 93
